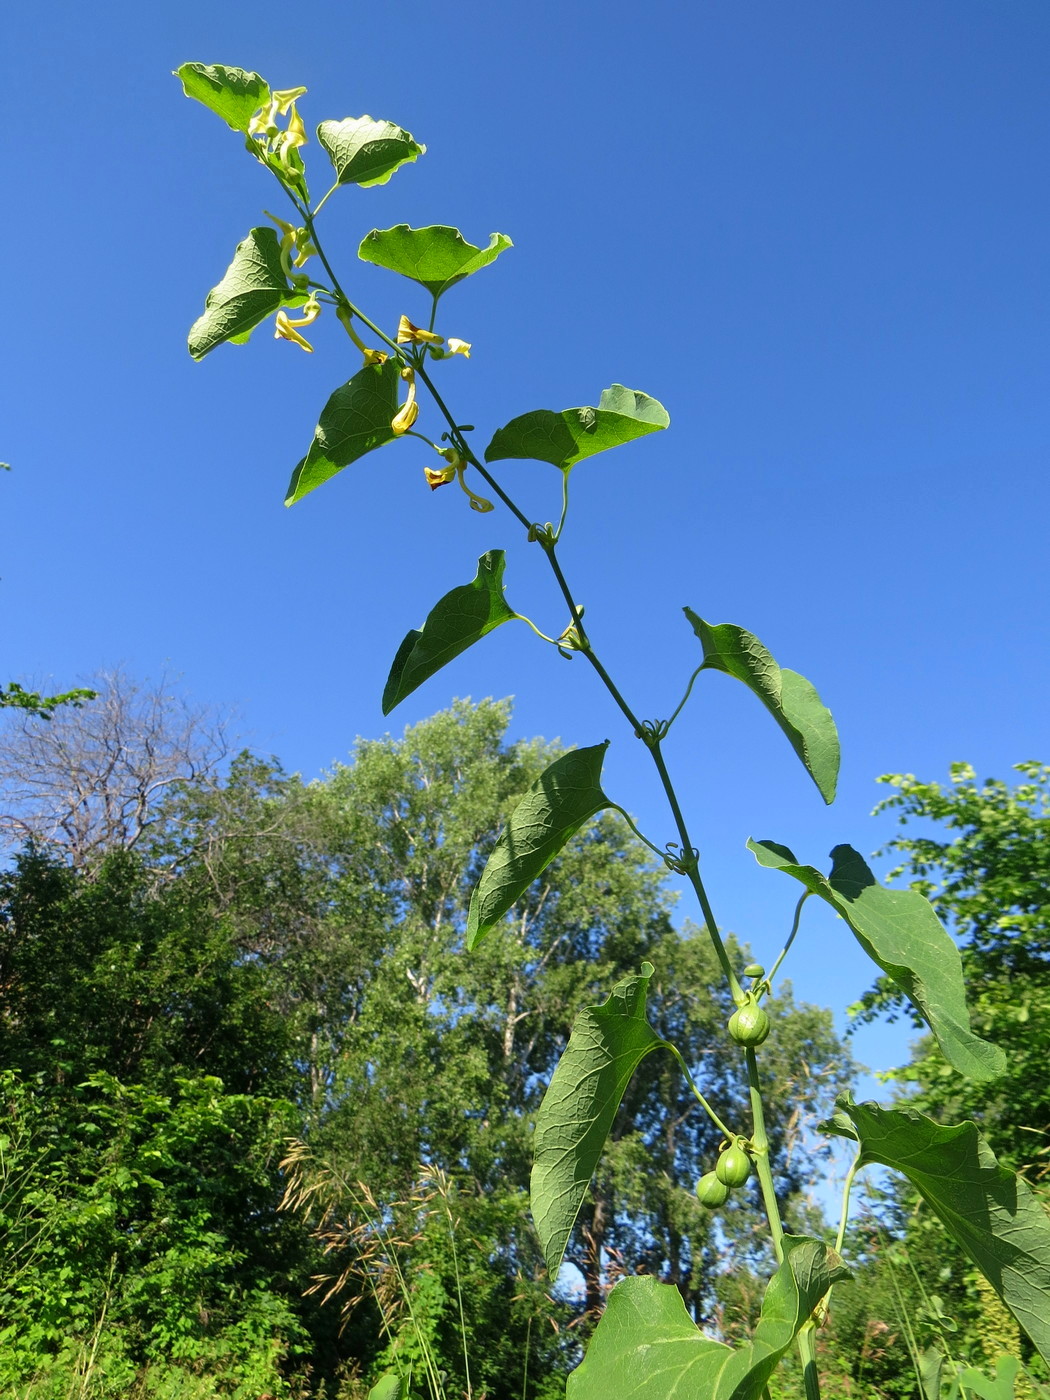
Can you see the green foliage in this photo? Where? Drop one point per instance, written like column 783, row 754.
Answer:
column 987, row 1209
column 231, row 92
column 902, row 934
column 646, row 1347
column 789, row 697
column 566, row 438
column 436, row 257
column 458, row 620
column 567, row 794
column 253, row 287
column 13, row 696
column 607, row 1045
column 366, row 152
column 355, row 420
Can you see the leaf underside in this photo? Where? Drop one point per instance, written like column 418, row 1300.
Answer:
column 563, row 439
column 231, row 92
column 790, row 698
column 607, row 1044
column 366, row 152
column 355, row 420
column 989, row 1211
column 647, row 1347
column 436, row 257
column 461, row 618
column 253, row 287
column 900, row 931
column 563, row 797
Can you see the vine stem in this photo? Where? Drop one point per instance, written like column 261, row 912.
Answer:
column 689, row 861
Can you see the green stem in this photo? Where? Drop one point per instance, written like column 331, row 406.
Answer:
column 685, row 697
column 564, row 505
column 760, row 1144
column 791, row 937
column 730, row 1136
column 644, row 839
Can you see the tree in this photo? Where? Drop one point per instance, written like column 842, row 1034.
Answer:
column 92, row 780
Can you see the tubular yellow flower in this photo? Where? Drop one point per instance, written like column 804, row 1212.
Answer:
column 281, row 101
column 407, row 334
column 285, row 326
column 439, row 477
column 459, row 347
column 409, row 410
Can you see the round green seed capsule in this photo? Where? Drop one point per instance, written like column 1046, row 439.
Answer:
column 711, row 1192
column 749, row 1025
column 733, row 1167
column 754, row 970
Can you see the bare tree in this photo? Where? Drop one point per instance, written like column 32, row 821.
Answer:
column 91, row 780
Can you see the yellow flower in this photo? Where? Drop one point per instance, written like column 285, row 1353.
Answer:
column 285, row 326
column 459, row 347
column 439, row 477
column 407, row 333
column 375, row 357
column 281, row 101
column 409, row 410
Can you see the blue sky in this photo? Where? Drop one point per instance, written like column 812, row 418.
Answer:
column 816, row 232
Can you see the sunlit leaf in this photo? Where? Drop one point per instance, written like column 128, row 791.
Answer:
column 366, row 152
column 461, row 618
column 789, row 697
column 355, row 420
column 607, row 1045
column 253, row 288
column 900, row 931
column 647, row 1347
column 233, row 93
column 436, row 257
column 990, row 1212
column 568, row 437
column 563, row 797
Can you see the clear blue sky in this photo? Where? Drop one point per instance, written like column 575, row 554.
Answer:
column 816, row 231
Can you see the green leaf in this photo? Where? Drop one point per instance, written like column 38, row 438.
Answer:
column 788, row 697
column 563, row 797
column 233, row 93
column 989, row 1211
column 436, row 257
column 390, row 1386
column 647, row 1347
column 253, row 288
column 568, row 437
column 1001, row 1388
column 899, row 931
column 607, row 1045
column 365, row 152
column 355, row 420
column 461, row 618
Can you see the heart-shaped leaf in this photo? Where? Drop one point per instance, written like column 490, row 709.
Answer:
column 461, row 618
column 254, row 287
column 568, row 437
column 607, row 1045
column 900, row 931
column 563, row 797
column 366, row 152
column 647, row 1347
column 233, row 93
column 355, row 420
column 989, row 1211
column 436, row 257
column 789, row 697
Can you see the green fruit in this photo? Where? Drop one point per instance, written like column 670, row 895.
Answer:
column 749, row 1025
column 754, row 970
column 711, row 1192
column 734, row 1167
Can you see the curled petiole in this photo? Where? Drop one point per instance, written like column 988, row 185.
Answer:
column 790, row 939
column 729, row 1136
column 662, row 854
column 685, row 697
